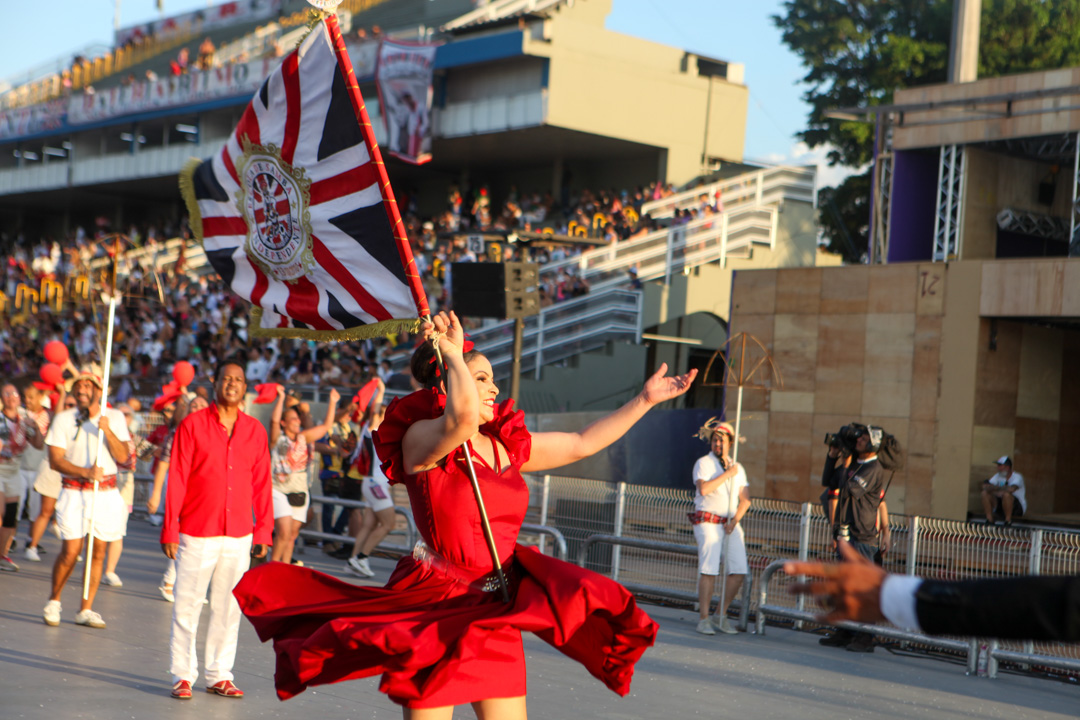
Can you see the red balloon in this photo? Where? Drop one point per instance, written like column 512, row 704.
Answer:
column 56, row 352
column 51, row 374
column 183, row 373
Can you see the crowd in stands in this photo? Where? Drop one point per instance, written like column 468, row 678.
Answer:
column 183, row 314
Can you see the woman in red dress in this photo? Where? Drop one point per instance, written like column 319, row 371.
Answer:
column 439, row 633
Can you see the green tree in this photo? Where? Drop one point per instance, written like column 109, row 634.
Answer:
column 857, row 52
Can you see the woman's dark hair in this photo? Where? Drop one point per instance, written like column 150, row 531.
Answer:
column 423, row 364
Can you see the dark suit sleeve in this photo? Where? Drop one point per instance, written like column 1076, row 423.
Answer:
column 1023, row 608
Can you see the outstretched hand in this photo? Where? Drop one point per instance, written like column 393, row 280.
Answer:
column 659, row 388
column 850, row 590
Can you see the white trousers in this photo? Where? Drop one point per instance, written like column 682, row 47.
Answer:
column 200, row 561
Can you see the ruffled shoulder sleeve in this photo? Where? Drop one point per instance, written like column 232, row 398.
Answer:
column 400, row 414
column 509, row 426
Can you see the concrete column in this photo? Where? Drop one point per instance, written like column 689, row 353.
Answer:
column 964, row 44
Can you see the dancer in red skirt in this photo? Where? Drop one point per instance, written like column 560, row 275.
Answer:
column 439, row 633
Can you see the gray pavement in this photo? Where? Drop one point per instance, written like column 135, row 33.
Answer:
column 122, row 672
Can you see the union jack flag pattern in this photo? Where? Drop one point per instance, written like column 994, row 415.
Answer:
column 296, row 213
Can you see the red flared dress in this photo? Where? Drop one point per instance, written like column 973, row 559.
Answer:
column 439, row 633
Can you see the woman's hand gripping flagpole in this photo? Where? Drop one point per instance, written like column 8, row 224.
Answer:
column 101, row 431
column 447, row 329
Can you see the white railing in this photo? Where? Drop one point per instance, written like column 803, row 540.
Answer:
column 760, row 187
column 498, row 9
column 669, row 251
column 561, row 331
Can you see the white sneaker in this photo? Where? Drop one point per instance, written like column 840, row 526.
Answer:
column 705, row 627
column 32, row 555
column 111, row 578
column 52, row 613
column 90, row 618
column 726, row 626
column 8, row 564
column 166, row 593
column 360, row 567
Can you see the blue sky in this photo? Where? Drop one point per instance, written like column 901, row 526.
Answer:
column 737, row 31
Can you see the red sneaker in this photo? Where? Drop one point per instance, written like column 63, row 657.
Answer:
column 182, row 690
column 225, row 688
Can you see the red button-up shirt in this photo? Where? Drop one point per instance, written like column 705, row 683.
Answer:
column 219, row 485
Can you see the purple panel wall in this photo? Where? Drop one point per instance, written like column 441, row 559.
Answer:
column 911, row 222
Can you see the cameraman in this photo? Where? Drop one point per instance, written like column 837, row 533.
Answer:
column 862, row 485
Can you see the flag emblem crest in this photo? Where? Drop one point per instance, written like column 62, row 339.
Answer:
column 273, row 198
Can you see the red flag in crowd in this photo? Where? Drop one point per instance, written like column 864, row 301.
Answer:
column 296, row 213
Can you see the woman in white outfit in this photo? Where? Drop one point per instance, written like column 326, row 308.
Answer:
column 291, row 448
column 721, row 501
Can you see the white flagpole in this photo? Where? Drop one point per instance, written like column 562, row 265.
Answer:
column 101, row 433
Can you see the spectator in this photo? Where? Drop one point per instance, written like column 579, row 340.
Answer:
column 1004, row 493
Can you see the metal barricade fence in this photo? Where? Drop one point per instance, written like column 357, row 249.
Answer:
column 778, row 529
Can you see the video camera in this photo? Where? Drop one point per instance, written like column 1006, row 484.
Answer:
column 844, row 439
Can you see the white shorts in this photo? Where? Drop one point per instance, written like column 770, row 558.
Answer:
column 73, row 514
column 282, row 508
column 48, row 481
column 710, row 542
column 376, row 492
column 11, row 482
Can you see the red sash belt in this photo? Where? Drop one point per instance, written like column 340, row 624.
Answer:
column 106, row 483
column 700, row 516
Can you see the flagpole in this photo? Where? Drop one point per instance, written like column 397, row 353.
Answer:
column 101, row 433
column 485, row 524
column 407, row 260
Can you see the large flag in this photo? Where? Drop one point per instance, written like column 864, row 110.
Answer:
column 403, row 77
column 296, row 213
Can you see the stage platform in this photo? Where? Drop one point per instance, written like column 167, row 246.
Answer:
column 71, row 672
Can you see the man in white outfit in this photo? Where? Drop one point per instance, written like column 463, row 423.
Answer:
column 73, row 452
column 218, row 502
column 721, row 501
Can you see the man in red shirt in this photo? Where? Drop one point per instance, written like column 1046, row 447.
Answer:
column 218, row 504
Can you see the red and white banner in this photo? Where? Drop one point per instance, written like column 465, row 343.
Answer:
column 188, row 89
column 20, row 122
column 403, row 77
column 296, row 213
column 229, row 13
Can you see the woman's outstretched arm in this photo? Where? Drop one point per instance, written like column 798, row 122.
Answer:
column 555, row 449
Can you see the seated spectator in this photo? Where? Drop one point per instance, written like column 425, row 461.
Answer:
column 1004, row 493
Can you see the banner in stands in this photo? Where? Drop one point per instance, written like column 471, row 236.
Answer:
column 230, row 13
column 403, row 77
column 227, row 81
column 40, row 118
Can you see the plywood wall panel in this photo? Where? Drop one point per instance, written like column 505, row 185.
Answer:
column 754, row 291
column 1023, row 288
column 930, row 289
column 891, row 288
column 800, row 291
column 890, row 341
column 926, row 369
column 918, row 499
column 844, row 290
column 997, row 373
column 790, row 436
column 795, row 339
